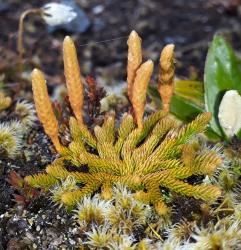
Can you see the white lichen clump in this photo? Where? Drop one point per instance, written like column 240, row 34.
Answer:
column 57, row 14
column 10, row 138
column 109, row 224
column 13, row 132
column 26, row 114
column 92, row 211
column 229, row 113
column 226, row 234
column 69, row 184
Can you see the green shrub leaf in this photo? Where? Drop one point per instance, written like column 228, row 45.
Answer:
column 183, row 108
column 222, row 73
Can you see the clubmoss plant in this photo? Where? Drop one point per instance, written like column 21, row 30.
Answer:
column 145, row 156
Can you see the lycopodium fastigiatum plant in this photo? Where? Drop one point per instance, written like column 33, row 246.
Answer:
column 146, row 155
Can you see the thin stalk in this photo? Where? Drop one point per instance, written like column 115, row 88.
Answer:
column 155, row 232
column 20, row 34
column 221, row 208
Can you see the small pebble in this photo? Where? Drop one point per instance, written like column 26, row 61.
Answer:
column 98, row 9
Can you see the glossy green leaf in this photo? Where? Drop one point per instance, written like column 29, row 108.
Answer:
column 190, row 90
column 212, row 136
column 182, row 108
column 239, row 134
column 222, row 73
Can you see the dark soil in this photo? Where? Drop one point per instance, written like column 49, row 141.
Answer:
column 189, row 24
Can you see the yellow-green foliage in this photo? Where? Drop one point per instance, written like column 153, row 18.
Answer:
column 154, row 155
column 10, row 138
column 13, row 131
column 160, row 155
column 5, row 101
